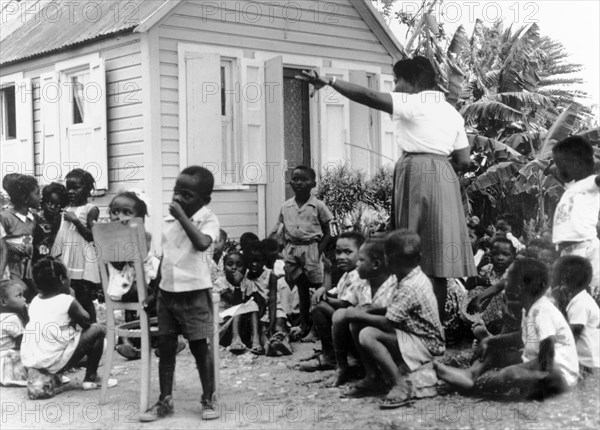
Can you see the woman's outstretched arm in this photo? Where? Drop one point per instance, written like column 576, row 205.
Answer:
column 365, row 96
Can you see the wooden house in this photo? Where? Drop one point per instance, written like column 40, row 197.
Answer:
column 135, row 90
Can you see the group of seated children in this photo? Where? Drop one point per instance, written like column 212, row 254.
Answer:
column 548, row 353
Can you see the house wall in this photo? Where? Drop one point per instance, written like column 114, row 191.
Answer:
column 326, row 34
column 124, row 97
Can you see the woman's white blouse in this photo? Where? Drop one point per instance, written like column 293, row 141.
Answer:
column 426, row 122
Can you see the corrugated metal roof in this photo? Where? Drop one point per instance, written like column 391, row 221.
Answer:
column 50, row 26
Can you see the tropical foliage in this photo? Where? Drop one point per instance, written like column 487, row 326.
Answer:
column 517, row 93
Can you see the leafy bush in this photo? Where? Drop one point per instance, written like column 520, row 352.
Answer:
column 341, row 188
column 355, row 202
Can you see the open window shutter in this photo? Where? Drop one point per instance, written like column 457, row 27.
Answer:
column 50, row 153
column 334, row 127
column 97, row 150
column 361, row 147
column 20, row 150
column 253, row 94
column 274, row 133
column 203, row 117
column 390, row 151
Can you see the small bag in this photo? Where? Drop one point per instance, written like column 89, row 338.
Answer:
column 119, row 281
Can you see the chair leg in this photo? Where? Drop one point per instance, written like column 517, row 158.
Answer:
column 146, row 361
column 108, row 359
column 215, row 344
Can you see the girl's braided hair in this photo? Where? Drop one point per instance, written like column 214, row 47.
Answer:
column 49, row 273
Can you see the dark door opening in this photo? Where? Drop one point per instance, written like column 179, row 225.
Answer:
column 296, row 124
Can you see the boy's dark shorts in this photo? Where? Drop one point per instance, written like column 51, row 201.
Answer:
column 189, row 313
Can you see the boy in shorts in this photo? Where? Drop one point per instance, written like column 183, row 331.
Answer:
column 305, row 223
column 184, row 302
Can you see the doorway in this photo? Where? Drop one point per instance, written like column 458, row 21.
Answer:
column 296, row 124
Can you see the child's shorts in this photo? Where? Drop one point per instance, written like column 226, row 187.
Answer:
column 189, row 313
column 413, row 350
column 303, row 259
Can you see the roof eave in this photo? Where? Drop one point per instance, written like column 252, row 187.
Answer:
column 160, row 12
column 379, row 27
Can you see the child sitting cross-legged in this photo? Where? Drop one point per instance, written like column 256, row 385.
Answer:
column 572, row 275
column 408, row 335
column 371, row 297
column 548, row 365
column 233, row 297
column 261, row 284
column 346, row 256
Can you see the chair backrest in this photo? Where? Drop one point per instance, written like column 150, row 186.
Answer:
column 121, row 242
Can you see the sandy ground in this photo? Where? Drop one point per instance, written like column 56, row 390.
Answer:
column 263, row 392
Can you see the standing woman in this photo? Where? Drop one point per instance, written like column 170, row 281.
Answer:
column 426, row 196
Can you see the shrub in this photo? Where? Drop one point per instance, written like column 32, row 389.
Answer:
column 379, row 192
column 341, row 188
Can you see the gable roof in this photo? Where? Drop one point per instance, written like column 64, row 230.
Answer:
column 41, row 27
column 47, row 26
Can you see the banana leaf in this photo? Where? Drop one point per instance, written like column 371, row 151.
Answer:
column 458, row 43
column 498, row 174
column 526, row 143
column 495, row 149
column 489, row 109
column 562, row 128
column 593, row 136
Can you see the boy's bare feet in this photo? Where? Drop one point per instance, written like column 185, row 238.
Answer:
column 299, row 332
column 459, row 378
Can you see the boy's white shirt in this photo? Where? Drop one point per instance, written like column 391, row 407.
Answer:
column 184, row 268
column 582, row 309
column 576, row 214
column 542, row 321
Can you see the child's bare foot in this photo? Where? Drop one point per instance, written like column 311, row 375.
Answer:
column 310, row 337
column 459, row 378
column 297, row 333
column 237, row 347
column 342, row 375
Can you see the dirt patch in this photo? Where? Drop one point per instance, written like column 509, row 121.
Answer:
column 263, row 392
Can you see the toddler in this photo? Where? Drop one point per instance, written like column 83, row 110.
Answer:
column 73, row 243
column 12, row 314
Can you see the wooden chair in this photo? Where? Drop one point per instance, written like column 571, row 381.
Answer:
column 118, row 242
column 125, row 242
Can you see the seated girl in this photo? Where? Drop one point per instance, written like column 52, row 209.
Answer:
column 260, row 283
column 484, row 303
column 59, row 334
column 12, row 315
column 246, row 311
column 548, row 364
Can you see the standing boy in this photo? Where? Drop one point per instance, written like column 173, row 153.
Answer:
column 184, row 303
column 305, row 223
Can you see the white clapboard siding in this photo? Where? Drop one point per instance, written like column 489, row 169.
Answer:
column 334, row 123
column 389, row 148
column 17, row 154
